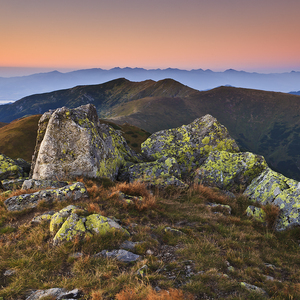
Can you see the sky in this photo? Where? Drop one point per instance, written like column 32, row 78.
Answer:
column 250, row 35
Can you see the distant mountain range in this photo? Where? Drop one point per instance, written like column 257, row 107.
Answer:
column 266, row 123
column 15, row 88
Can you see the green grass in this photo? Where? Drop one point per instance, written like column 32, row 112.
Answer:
column 211, row 241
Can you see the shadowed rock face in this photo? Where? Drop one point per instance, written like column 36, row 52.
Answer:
column 189, row 144
column 72, row 142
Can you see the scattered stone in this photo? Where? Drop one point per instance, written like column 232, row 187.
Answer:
column 9, row 168
column 271, row 187
column 256, row 212
column 230, row 171
column 149, row 252
column 56, row 293
column 269, row 278
column 224, row 207
column 142, row 271
column 39, row 184
column 128, row 245
column 121, row 255
column 9, row 272
column 174, row 231
column 74, row 192
column 231, row 269
column 72, row 143
column 44, row 217
column 253, row 288
column 189, row 144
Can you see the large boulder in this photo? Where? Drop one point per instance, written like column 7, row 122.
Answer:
column 162, row 172
column 74, row 192
column 72, row 142
column 9, row 168
column 274, row 188
column 230, row 171
column 189, row 144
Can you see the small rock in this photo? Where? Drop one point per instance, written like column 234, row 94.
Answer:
column 56, row 293
column 76, row 255
column 9, row 272
column 254, row 288
column 128, row 245
column 174, row 231
column 121, row 255
column 44, row 217
column 149, row 252
column 38, row 184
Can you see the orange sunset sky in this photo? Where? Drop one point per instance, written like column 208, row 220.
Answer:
column 250, row 35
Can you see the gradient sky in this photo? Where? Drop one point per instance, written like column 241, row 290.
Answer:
column 250, row 35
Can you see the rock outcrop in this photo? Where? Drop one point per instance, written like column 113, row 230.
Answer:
column 72, row 142
column 274, row 188
column 74, row 192
column 71, row 222
column 189, row 144
column 230, row 171
column 162, row 172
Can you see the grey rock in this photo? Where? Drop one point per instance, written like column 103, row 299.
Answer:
column 128, row 245
column 56, row 293
column 74, row 192
column 39, row 184
column 254, row 288
column 73, row 142
column 44, row 217
column 9, row 272
column 13, row 184
column 121, row 255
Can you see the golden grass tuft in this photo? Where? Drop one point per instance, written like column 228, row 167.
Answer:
column 149, row 294
column 272, row 213
column 138, row 189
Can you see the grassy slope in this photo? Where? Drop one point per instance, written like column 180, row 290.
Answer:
column 195, row 263
column 17, row 139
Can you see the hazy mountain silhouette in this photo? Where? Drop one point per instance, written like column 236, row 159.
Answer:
column 15, row 88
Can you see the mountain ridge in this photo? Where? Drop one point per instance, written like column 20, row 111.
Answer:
column 15, row 88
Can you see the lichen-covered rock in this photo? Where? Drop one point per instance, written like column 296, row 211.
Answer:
column 254, row 288
column 127, row 198
column 13, row 184
column 24, row 165
column 72, row 227
column 9, row 168
column 60, row 217
column 230, row 171
column 274, row 188
column 162, row 172
column 74, row 143
column 224, row 207
column 101, row 225
column 189, row 144
column 54, row 293
column 39, row 184
column 74, row 192
column 71, row 221
column 256, row 212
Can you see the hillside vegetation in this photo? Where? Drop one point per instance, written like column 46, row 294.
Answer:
column 266, row 123
column 208, row 254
